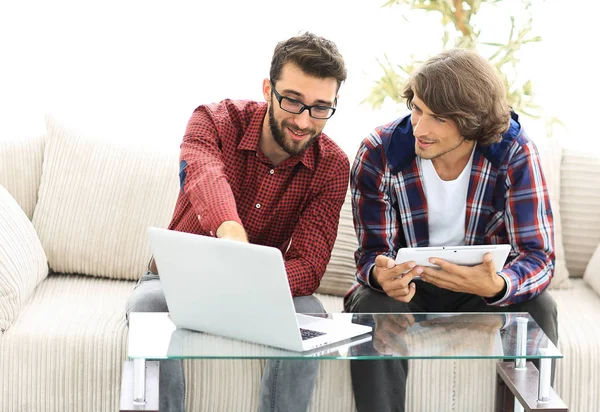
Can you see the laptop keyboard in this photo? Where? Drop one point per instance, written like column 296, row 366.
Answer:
column 308, row 334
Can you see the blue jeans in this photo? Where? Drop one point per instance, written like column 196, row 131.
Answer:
column 285, row 386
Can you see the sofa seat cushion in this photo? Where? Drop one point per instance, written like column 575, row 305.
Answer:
column 69, row 343
column 23, row 263
column 66, row 349
column 578, row 373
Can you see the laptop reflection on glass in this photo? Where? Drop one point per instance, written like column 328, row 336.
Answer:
column 238, row 290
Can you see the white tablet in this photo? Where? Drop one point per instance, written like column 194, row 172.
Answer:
column 460, row 255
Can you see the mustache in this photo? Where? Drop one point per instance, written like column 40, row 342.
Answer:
column 296, row 129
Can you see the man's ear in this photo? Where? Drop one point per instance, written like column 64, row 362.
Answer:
column 267, row 90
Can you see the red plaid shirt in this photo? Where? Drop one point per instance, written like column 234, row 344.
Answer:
column 294, row 206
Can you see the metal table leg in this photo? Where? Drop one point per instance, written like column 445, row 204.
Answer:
column 139, row 386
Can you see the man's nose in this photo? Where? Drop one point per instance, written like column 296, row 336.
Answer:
column 420, row 127
column 303, row 120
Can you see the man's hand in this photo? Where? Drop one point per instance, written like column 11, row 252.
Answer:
column 233, row 231
column 392, row 279
column 481, row 280
column 390, row 332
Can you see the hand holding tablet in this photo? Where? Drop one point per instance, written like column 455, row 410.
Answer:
column 459, row 255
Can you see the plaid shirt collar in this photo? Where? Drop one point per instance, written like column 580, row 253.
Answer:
column 400, row 148
column 252, row 136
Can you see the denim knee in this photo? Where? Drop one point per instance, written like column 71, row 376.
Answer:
column 147, row 296
column 308, row 304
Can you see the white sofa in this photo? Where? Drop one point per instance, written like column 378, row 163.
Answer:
column 63, row 338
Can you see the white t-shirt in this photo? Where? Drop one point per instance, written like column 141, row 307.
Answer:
column 446, row 204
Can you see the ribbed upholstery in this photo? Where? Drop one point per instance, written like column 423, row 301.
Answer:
column 592, row 272
column 551, row 152
column 96, row 201
column 339, row 275
column 21, row 169
column 580, row 205
column 22, row 260
column 65, row 351
column 578, row 373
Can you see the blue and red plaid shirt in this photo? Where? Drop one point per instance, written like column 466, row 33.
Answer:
column 507, row 202
column 294, row 206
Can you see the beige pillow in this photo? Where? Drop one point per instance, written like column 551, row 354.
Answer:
column 21, row 169
column 23, row 263
column 340, row 273
column 580, row 207
column 550, row 152
column 592, row 271
column 96, row 201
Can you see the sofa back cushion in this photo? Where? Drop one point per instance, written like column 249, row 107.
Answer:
column 340, row 273
column 580, row 206
column 551, row 152
column 96, row 201
column 23, row 263
column 21, row 169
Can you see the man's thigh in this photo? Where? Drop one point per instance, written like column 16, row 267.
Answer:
column 308, row 304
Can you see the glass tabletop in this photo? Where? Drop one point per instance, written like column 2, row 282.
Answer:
column 394, row 336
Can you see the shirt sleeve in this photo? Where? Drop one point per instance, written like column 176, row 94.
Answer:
column 375, row 220
column 529, row 225
column 315, row 233
column 202, row 172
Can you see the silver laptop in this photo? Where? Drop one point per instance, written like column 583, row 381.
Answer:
column 238, row 290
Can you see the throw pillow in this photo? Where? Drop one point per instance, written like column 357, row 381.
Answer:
column 550, row 152
column 23, row 263
column 96, row 201
column 340, row 273
column 592, row 271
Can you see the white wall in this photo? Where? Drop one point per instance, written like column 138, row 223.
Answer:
column 134, row 70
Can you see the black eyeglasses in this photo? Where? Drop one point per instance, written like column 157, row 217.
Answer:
column 296, row 107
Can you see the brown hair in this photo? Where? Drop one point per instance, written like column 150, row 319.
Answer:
column 315, row 55
column 462, row 86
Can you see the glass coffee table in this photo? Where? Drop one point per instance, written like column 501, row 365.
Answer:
column 514, row 339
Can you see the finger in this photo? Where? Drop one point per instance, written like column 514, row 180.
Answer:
column 407, row 277
column 411, row 293
column 488, row 260
column 384, row 262
column 445, row 265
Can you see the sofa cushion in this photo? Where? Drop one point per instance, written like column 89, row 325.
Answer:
column 96, row 201
column 592, row 271
column 550, row 151
column 69, row 343
column 580, row 207
column 23, row 263
column 21, row 170
column 339, row 275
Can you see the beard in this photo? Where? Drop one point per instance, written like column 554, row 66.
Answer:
column 290, row 146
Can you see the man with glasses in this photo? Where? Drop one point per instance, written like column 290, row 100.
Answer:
column 265, row 173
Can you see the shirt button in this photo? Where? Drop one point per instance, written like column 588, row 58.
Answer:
column 271, row 171
column 257, row 205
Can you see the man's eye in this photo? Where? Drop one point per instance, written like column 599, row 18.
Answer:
column 439, row 119
column 293, row 102
column 320, row 109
